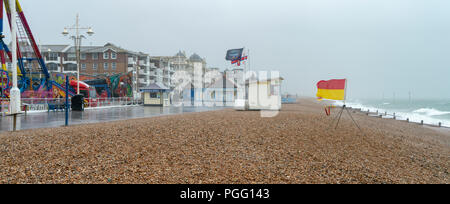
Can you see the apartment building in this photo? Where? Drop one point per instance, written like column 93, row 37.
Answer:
column 169, row 65
column 98, row 60
column 107, row 59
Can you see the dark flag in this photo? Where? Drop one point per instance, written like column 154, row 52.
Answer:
column 234, row 54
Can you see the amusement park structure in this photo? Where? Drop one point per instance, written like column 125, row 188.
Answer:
column 30, row 77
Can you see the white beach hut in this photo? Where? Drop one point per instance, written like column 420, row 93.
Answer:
column 261, row 94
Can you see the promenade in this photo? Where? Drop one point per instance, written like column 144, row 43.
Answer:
column 94, row 115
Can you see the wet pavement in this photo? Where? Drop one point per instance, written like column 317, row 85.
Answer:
column 57, row 119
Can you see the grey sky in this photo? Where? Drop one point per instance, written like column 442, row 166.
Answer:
column 381, row 46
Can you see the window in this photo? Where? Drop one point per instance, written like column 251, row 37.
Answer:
column 105, row 55
column 94, row 66
column 52, row 67
column 113, row 66
column 71, row 57
column 70, row 67
column 274, row 90
column 154, row 95
column 53, row 56
column 83, row 66
column 95, row 56
column 83, row 56
column 113, row 55
column 105, row 66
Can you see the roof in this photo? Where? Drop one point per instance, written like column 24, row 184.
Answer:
column 155, row 86
column 53, row 48
column 262, row 79
column 180, row 54
column 195, row 57
column 87, row 49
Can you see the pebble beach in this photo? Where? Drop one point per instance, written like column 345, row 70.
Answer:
column 299, row 145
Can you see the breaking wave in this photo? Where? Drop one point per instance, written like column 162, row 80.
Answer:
column 430, row 116
column 431, row 112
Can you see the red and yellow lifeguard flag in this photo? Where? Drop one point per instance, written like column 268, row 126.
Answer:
column 333, row 89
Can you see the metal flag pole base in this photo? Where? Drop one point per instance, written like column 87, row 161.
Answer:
column 339, row 115
column 14, row 115
column 14, row 122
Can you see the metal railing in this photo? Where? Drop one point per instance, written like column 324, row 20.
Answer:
column 43, row 104
column 108, row 102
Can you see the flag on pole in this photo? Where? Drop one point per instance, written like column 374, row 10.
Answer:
column 333, row 89
column 234, row 54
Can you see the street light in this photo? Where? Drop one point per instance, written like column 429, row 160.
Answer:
column 77, row 41
column 90, row 32
column 65, row 32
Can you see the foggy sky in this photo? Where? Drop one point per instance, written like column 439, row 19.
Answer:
column 380, row 46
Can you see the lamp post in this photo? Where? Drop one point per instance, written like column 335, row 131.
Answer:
column 77, row 41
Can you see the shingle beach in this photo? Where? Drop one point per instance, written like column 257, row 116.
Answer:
column 228, row 146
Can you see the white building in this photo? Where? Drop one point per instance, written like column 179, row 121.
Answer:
column 262, row 94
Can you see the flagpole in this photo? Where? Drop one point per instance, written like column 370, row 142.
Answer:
column 345, row 92
column 248, row 59
column 242, row 55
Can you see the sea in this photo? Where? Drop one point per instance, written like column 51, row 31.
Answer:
column 431, row 111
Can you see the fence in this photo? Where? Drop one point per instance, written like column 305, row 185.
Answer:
column 108, row 102
column 393, row 116
column 43, row 104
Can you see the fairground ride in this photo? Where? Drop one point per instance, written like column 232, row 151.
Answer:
column 33, row 74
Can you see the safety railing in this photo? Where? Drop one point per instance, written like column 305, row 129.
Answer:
column 47, row 104
column 108, row 102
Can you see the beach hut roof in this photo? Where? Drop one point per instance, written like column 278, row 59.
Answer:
column 254, row 79
column 155, row 87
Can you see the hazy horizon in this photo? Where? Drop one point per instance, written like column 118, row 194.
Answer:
column 380, row 46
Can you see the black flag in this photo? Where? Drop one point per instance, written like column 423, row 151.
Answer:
column 234, row 54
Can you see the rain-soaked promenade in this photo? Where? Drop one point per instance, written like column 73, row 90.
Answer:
column 57, row 119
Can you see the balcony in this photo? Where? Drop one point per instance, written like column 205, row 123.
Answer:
column 142, row 81
column 131, row 61
column 53, row 59
column 143, row 72
column 171, row 70
column 69, row 60
column 143, row 63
